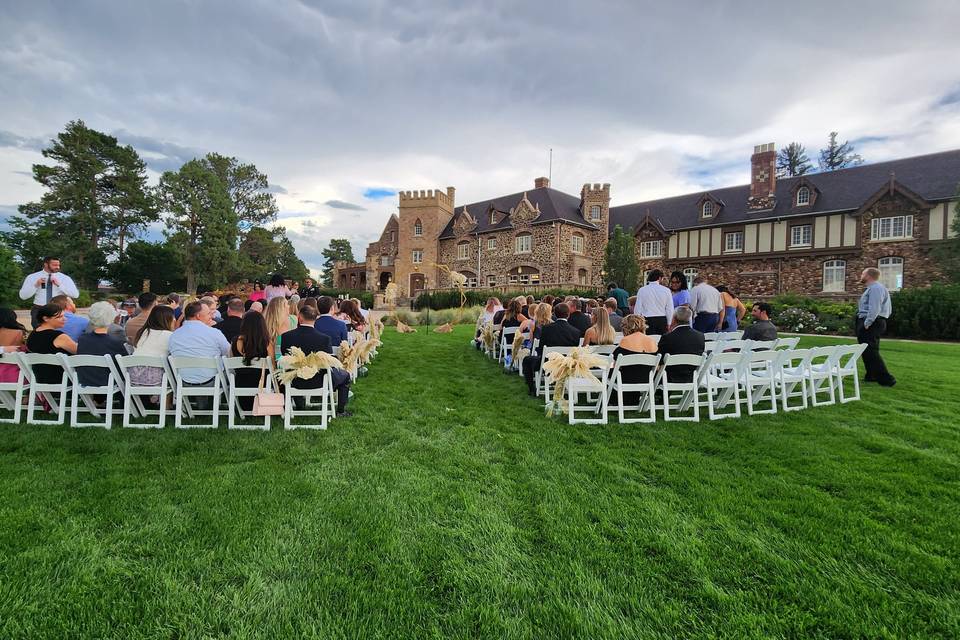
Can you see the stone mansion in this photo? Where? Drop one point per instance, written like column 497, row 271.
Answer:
column 810, row 234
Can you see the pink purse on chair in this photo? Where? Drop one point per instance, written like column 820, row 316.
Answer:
column 267, row 403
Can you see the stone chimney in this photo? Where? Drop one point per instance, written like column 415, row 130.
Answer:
column 763, row 176
column 541, row 183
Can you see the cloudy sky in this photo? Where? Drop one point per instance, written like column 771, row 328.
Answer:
column 342, row 103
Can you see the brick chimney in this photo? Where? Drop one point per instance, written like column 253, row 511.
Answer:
column 541, row 183
column 763, row 176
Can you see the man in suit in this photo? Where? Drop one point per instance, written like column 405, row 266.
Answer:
column 230, row 326
column 559, row 333
column 309, row 340
column 683, row 339
column 578, row 318
column 326, row 324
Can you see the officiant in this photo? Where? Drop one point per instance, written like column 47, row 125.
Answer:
column 45, row 285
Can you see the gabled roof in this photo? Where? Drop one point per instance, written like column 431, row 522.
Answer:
column 554, row 205
column 932, row 177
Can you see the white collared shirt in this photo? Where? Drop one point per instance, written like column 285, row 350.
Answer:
column 653, row 301
column 64, row 286
column 705, row 299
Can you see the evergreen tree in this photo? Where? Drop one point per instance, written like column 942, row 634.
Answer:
column 339, row 249
column 202, row 225
column 253, row 205
column 10, row 278
column 266, row 251
column 96, row 195
column 158, row 262
column 948, row 251
column 792, row 160
column 620, row 263
column 837, row 156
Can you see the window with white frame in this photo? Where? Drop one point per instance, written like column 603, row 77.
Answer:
column 891, row 273
column 576, row 243
column 707, row 209
column 393, row 236
column 691, row 273
column 491, row 280
column 386, row 261
column 463, row 251
column 891, row 228
column 595, row 212
column 493, row 218
column 803, row 196
column 523, row 243
column 418, row 228
column 582, row 276
column 733, row 241
column 801, row 235
column 471, row 279
column 651, row 249
column 834, row 275
column 417, row 256
column 491, row 244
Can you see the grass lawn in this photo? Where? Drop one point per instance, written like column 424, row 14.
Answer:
column 449, row 506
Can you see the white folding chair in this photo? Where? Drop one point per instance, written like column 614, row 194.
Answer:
column 326, row 409
column 709, row 346
column 791, row 371
column 87, row 395
column 757, row 376
column 786, row 343
column 56, row 394
column 845, row 367
column 721, row 380
column 730, row 335
column 820, row 376
column 602, row 349
column 727, row 346
column 687, row 390
column 11, row 393
column 712, row 336
column 646, row 390
column 593, row 386
column 183, row 391
column 263, row 368
column 759, row 345
column 542, row 378
column 133, row 394
column 506, row 345
column 535, row 346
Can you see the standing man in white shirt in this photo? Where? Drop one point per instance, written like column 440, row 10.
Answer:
column 655, row 304
column 45, row 285
column 707, row 304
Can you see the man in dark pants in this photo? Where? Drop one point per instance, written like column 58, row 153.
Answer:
column 872, row 313
column 559, row 333
column 308, row 339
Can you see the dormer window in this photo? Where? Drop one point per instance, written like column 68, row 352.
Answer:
column 803, row 196
column 595, row 212
column 493, row 218
column 418, row 228
column 707, row 209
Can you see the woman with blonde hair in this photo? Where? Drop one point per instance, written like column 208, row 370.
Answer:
column 294, row 304
column 277, row 317
column 635, row 340
column 529, row 325
column 601, row 331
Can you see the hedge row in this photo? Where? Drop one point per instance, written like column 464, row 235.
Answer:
column 931, row 313
column 451, row 299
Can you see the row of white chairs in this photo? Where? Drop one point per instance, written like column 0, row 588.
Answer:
column 223, row 394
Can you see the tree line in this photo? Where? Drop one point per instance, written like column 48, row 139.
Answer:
column 98, row 204
column 792, row 160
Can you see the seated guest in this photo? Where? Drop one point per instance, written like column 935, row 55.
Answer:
column 116, row 328
column 578, row 318
column 762, row 328
column 146, row 302
column 525, row 309
column 293, row 304
column 363, row 312
column 73, row 324
column 98, row 343
column 49, row 337
column 256, row 307
column 230, row 326
column 511, row 316
column 173, row 301
column 12, row 335
column 631, row 304
column 487, row 315
column 601, row 331
column 498, row 316
column 529, row 326
column 616, row 320
column 307, row 338
column 153, row 339
column 682, row 339
column 211, row 301
column 542, row 317
column 197, row 338
column 351, row 317
column 251, row 342
column 326, row 323
column 278, row 321
column 222, row 303
column 635, row 341
column 556, row 334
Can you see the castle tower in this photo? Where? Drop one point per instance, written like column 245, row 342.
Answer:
column 422, row 217
column 595, row 205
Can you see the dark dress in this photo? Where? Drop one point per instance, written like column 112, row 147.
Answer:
column 97, row 344
column 42, row 342
column 633, row 374
column 248, row 378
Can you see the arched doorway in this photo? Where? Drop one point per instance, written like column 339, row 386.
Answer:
column 417, row 284
column 385, row 279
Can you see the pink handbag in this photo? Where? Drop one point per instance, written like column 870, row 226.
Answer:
column 267, row 403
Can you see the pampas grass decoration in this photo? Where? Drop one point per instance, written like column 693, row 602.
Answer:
column 297, row 364
column 561, row 367
column 517, row 344
column 444, row 328
column 487, row 336
column 404, row 328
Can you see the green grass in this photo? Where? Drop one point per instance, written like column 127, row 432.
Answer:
column 449, row 506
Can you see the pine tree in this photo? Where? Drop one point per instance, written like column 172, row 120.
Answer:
column 837, row 156
column 620, row 263
column 266, row 251
column 339, row 249
column 792, row 160
column 10, row 278
column 253, row 205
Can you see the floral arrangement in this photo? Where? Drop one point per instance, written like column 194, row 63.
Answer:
column 561, row 367
column 797, row 320
column 298, row 364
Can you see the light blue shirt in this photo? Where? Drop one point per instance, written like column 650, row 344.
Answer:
column 74, row 325
column 197, row 340
column 874, row 303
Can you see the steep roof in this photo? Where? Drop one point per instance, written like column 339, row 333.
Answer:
column 554, row 205
column 933, row 177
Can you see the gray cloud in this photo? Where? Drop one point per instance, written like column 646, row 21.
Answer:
column 10, row 139
column 275, row 188
column 340, row 204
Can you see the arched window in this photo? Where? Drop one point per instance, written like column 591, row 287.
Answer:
column 891, row 273
column 418, row 228
column 523, row 243
column 707, row 209
column 691, row 273
column 595, row 212
column 471, row 278
column 576, row 243
column 834, row 275
column 463, row 250
column 803, row 196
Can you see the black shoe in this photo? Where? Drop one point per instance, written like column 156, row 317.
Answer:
column 869, row 379
column 889, row 383
column 531, row 393
column 345, row 414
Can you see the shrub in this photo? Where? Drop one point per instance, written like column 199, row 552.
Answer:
column 929, row 313
column 407, row 317
column 796, row 320
column 365, row 297
column 437, row 300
